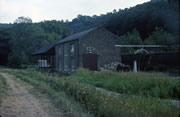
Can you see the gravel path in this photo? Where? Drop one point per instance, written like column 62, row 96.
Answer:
column 20, row 103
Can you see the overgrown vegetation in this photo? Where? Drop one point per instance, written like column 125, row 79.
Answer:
column 97, row 102
column 3, row 87
column 144, row 84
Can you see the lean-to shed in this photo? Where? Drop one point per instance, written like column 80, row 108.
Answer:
column 46, row 56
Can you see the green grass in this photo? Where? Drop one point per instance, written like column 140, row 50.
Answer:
column 59, row 98
column 100, row 104
column 3, row 88
column 144, row 84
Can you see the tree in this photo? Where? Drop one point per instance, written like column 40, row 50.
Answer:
column 23, row 20
column 29, row 37
column 114, row 11
column 131, row 38
column 5, row 33
column 161, row 37
column 145, row 18
column 26, row 38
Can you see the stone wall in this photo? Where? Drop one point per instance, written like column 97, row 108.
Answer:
column 101, row 42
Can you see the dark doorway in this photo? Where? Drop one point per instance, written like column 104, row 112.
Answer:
column 90, row 61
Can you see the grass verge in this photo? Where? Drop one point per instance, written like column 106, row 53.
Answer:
column 98, row 103
column 3, row 88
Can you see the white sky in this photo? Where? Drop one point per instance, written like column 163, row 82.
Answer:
column 39, row 10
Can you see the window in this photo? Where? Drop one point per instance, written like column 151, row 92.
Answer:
column 60, row 57
column 72, row 49
column 72, row 57
column 65, row 57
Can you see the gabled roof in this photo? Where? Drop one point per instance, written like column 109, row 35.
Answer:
column 75, row 36
column 46, row 50
column 50, row 48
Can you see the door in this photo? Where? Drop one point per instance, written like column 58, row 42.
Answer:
column 90, row 61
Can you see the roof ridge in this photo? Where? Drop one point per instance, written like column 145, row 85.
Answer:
column 76, row 35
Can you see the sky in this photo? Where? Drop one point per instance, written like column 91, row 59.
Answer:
column 40, row 10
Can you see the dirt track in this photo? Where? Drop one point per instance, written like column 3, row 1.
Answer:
column 20, row 103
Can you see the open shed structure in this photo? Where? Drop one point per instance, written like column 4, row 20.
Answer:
column 141, row 55
column 46, row 56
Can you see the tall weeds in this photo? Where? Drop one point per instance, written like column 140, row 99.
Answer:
column 100, row 104
column 144, row 84
column 3, row 88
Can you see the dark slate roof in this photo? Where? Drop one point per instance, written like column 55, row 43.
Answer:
column 75, row 36
column 46, row 50
column 50, row 48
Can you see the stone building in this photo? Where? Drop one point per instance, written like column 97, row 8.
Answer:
column 90, row 49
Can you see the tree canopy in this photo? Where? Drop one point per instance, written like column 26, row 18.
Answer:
column 25, row 38
column 23, row 20
column 145, row 18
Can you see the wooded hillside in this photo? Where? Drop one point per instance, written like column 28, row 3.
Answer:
column 148, row 23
